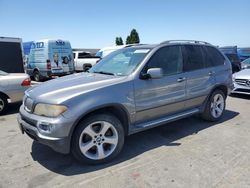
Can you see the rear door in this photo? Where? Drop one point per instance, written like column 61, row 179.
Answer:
column 216, row 61
column 200, row 77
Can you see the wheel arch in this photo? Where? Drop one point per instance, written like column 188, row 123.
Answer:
column 221, row 87
column 116, row 109
column 35, row 69
column 4, row 94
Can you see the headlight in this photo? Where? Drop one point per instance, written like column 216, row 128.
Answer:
column 49, row 110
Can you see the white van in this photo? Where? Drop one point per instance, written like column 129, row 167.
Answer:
column 50, row 58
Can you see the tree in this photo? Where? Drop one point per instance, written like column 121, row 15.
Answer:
column 133, row 38
column 128, row 40
column 118, row 41
column 121, row 41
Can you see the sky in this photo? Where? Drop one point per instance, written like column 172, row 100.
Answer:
column 96, row 23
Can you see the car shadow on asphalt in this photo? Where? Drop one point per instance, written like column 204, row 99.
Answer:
column 167, row 135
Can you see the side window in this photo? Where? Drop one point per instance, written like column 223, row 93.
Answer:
column 168, row 58
column 193, row 59
column 83, row 55
column 212, row 57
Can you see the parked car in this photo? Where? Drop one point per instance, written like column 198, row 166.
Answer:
column 12, row 87
column 233, row 56
column 84, row 60
column 241, row 82
column 245, row 64
column 11, row 55
column 48, row 58
column 130, row 90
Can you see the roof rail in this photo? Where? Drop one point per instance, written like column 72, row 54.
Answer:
column 135, row 44
column 184, row 41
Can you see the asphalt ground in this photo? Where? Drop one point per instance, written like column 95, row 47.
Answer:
column 187, row 153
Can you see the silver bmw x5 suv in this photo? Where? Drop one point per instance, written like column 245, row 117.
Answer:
column 130, row 90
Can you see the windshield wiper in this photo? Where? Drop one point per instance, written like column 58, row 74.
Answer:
column 102, row 72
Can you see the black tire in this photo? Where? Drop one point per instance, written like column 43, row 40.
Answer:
column 75, row 146
column 207, row 114
column 3, row 104
column 36, row 75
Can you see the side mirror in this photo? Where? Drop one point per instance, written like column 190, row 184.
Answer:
column 153, row 73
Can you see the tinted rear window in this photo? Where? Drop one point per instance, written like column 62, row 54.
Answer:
column 212, row 57
column 193, row 59
column 84, row 55
column 11, row 59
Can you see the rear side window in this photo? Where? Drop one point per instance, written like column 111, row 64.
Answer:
column 168, row 58
column 212, row 57
column 193, row 59
column 84, row 55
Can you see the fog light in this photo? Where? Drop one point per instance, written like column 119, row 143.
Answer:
column 45, row 127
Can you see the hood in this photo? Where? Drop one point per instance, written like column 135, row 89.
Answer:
column 243, row 74
column 61, row 89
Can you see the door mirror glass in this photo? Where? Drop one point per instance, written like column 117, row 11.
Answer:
column 155, row 73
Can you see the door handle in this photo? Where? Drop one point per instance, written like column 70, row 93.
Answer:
column 211, row 73
column 181, row 79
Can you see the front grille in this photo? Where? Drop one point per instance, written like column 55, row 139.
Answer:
column 243, row 82
column 28, row 104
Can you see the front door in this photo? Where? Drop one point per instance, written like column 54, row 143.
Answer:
column 156, row 98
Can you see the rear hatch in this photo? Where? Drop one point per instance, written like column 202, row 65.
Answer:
column 61, row 57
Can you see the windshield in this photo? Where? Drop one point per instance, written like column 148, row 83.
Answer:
column 121, row 62
column 2, row 73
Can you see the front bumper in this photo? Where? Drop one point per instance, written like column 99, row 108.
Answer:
column 241, row 89
column 58, row 140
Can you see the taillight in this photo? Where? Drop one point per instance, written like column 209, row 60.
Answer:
column 26, row 82
column 48, row 65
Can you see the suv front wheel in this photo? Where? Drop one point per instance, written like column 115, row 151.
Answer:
column 98, row 139
column 215, row 106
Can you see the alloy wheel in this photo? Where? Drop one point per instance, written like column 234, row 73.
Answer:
column 98, row 140
column 217, row 105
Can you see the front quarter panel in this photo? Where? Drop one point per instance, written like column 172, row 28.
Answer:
column 118, row 94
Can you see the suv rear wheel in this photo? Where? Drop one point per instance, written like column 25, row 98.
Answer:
column 98, row 139
column 215, row 106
